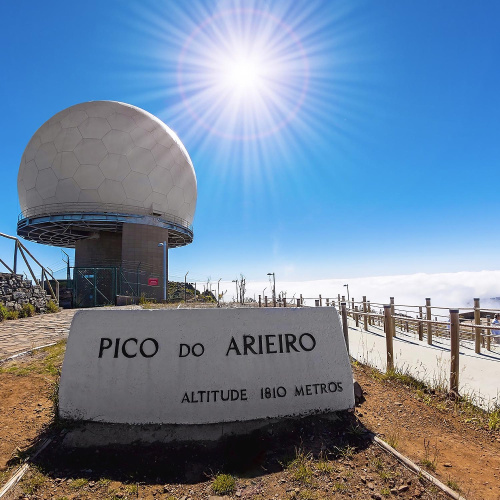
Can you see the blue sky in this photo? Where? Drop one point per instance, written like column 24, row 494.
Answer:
column 386, row 163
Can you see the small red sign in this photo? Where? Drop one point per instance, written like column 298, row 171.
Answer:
column 153, row 282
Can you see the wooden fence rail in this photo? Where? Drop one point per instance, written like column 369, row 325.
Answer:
column 406, row 319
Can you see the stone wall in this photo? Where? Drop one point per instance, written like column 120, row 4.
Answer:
column 15, row 291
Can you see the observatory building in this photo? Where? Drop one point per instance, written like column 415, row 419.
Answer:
column 111, row 181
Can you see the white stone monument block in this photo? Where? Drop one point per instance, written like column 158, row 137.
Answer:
column 204, row 366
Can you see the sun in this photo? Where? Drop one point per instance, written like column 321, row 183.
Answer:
column 243, row 74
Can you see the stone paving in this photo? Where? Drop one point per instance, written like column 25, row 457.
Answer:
column 20, row 335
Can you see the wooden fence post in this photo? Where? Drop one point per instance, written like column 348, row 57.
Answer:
column 352, row 303
column 365, row 310
column 301, row 300
column 298, row 302
column 345, row 327
column 388, row 338
column 429, row 318
column 265, row 301
column 420, row 324
column 370, row 322
column 455, row 352
column 338, row 297
column 327, row 302
column 356, row 316
column 393, row 314
column 488, row 338
column 260, row 301
column 316, row 302
column 320, row 301
column 477, row 321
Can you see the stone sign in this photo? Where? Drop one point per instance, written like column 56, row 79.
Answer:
column 204, row 366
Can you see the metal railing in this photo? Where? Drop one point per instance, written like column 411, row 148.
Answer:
column 20, row 249
column 101, row 208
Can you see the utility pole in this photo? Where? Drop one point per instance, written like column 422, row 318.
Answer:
column 347, row 292
column 165, row 284
column 242, row 289
column 185, row 276
column 218, row 292
column 68, row 274
column 236, row 281
column 274, row 287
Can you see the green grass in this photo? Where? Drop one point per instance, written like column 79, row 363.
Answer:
column 224, row 484
column 494, row 420
column 52, row 307
column 324, row 466
column 307, row 495
column 132, row 489
column 79, row 483
column 50, row 362
column 392, row 439
column 453, row 485
column 346, row 451
column 339, row 487
column 32, row 481
column 300, row 468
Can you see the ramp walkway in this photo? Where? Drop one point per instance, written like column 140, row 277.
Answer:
column 21, row 335
column 479, row 374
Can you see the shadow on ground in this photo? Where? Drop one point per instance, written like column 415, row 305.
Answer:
column 262, row 452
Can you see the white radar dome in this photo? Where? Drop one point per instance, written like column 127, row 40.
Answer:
column 104, row 156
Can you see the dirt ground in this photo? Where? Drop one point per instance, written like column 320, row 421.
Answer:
column 311, row 458
column 428, row 427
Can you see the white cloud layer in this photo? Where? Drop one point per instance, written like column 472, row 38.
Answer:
column 445, row 289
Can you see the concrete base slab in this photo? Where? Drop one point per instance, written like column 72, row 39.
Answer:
column 97, row 434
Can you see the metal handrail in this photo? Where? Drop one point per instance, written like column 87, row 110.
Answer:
column 100, row 208
column 18, row 246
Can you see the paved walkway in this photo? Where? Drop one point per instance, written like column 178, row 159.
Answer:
column 21, row 335
column 479, row 374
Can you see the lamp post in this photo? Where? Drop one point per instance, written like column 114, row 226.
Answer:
column 274, row 287
column 185, row 284
column 347, row 292
column 164, row 245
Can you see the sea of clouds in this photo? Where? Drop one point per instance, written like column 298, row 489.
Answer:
column 445, row 289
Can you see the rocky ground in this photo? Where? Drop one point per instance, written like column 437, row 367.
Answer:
column 312, row 458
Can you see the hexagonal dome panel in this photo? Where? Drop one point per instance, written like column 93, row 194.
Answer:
column 101, row 153
column 119, row 142
column 94, row 127
column 88, row 176
column 111, row 191
column 137, row 186
column 45, row 155
column 67, row 191
column 90, row 151
column 141, row 160
column 67, row 139
column 46, row 183
column 119, row 121
column 65, row 164
column 29, row 175
column 115, row 167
